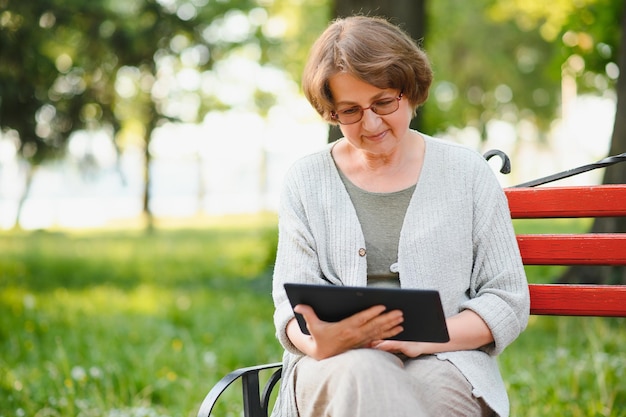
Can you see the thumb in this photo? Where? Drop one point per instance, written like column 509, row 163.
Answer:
column 306, row 310
column 308, row 313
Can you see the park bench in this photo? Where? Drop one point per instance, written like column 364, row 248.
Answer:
column 525, row 202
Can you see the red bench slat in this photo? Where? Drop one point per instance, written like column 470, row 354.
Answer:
column 578, row 300
column 553, row 202
column 583, row 249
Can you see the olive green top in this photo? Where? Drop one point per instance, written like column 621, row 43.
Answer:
column 381, row 216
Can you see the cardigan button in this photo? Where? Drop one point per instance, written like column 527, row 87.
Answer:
column 362, row 252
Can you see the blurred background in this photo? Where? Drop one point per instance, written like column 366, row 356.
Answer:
column 128, row 109
column 143, row 145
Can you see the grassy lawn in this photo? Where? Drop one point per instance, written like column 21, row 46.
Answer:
column 128, row 324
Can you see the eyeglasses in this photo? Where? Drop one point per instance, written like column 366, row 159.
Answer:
column 354, row 114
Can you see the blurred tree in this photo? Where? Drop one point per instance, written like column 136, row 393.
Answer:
column 300, row 23
column 590, row 41
column 487, row 69
column 122, row 65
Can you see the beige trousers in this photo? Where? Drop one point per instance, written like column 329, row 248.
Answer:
column 372, row 383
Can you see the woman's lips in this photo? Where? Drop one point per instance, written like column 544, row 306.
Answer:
column 377, row 136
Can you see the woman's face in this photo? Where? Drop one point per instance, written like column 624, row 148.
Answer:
column 374, row 133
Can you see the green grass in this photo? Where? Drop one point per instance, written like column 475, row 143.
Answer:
column 126, row 324
column 567, row 366
column 129, row 324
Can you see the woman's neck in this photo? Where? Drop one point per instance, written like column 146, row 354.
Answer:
column 391, row 172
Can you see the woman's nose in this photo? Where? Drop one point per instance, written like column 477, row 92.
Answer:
column 370, row 119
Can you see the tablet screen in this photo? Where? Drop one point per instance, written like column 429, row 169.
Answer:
column 424, row 320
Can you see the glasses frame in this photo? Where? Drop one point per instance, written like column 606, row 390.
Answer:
column 372, row 107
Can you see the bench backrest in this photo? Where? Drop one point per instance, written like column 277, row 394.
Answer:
column 572, row 249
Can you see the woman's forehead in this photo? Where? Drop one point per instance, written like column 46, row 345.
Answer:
column 346, row 88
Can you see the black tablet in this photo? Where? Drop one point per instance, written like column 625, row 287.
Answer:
column 424, row 320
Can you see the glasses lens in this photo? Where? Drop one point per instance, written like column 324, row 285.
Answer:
column 354, row 114
column 349, row 115
column 386, row 106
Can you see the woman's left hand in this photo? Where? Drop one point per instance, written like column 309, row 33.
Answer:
column 467, row 331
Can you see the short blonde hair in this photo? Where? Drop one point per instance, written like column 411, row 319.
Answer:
column 371, row 49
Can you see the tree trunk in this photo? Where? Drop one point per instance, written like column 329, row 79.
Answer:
column 410, row 15
column 615, row 174
column 147, row 176
column 28, row 182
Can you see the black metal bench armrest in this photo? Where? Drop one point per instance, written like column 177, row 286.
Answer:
column 255, row 404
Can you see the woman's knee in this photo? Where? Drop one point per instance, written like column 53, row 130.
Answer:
column 371, row 383
column 443, row 389
column 349, row 368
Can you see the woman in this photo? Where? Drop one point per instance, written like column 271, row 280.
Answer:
column 386, row 205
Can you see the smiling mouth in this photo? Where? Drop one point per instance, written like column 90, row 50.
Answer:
column 377, row 136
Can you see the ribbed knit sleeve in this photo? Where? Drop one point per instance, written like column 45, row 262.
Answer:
column 498, row 286
column 319, row 235
column 296, row 257
column 458, row 238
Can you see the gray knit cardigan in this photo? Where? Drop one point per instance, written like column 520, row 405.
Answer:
column 457, row 237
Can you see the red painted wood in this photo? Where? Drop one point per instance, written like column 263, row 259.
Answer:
column 552, row 202
column 585, row 249
column 578, row 300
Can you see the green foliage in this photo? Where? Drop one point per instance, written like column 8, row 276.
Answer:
column 584, row 36
column 486, row 70
column 303, row 22
column 121, row 66
column 132, row 324
column 105, row 63
column 109, row 64
column 505, row 59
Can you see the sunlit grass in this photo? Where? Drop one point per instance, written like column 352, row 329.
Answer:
column 568, row 366
column 101, row 348
column 127, row 324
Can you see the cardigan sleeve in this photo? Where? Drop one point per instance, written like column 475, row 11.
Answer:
column 319, row 235
column 296, row 258
column 498, row 287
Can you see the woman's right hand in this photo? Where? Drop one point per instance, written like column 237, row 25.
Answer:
column 328, row 339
